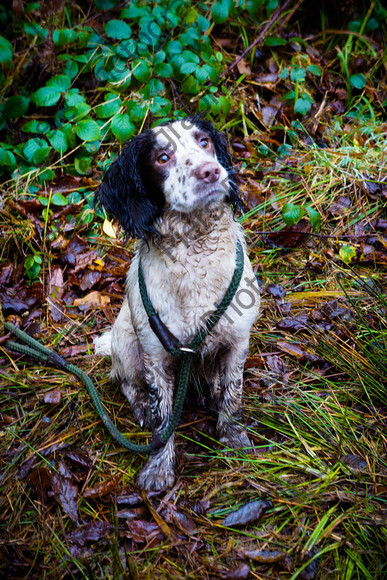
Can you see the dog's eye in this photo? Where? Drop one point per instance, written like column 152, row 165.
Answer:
column 204, row 142
column 163, row 158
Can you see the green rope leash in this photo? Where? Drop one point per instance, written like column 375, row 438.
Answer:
column 43, row 354
column 35, row 350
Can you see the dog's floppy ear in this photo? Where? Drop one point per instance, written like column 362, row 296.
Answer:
column 123, row 192
column 222, row 151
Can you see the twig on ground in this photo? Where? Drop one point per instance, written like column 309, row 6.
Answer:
column 275, row 17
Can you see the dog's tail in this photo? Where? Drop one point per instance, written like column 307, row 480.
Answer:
column 103, row 344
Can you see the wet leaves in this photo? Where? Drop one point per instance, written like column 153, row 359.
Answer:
column 339, row 206
column 297, row 351
column 143, row 532
column 264, row 556
column 293, row 323
column 276, row 291
column 53, row 397
column 65, row 492
column 92, row 300
column 250, row 512
column 102, row 489
column 59, row 485
column 355, row 463
column 240, row 573
column 91, row 532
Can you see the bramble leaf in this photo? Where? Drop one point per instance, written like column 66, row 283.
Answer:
column 36, row 150
column 87, row 130
column 122, row 127
column 60, row 82
column 315, row 218
column 347, row 253
column 358, row 81
column 6, row 50
column 302, row 106
column 46, row 96
column 110, row 107
column 291, row 214
column 16, row 106
column 118, row 29
column 221, row 10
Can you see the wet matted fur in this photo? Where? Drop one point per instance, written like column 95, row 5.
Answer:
column 174, row 189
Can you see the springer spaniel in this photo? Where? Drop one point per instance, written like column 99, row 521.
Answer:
column 172, row 187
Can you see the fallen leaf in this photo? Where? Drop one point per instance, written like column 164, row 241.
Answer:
column 293, row 323
column 183, row 522
column 91, row 532
column 143, row 532
column 243, row 68
column 17, row 299
column 134, row 499
column 89, row 279
column 109, row 229
column 276, row 290
column 334, row 309
column 56, row 291
column 347, row 253
column 276, row 364
column 310, row 571
column 77, row 245
column 297, row 351
column 263, row 556
column 74, row 350
column 250, row 512
column 267, row 78
column 354, row 462
column 156, row 516
column 102, row 489
column 132, row 513
column 41, row 480
column 253, row 193
column 60, row 243
column 92, row 300
column 289, row 237
column 83, row 260
column 81, row 459
column 240, row 573
column 65, row 493
column 269, row 114
column 6, row 274
column 253, row 362
column 339, row 206
column 375, row 187
column 53, row 397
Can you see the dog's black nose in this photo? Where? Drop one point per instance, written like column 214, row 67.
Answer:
column 208, row 172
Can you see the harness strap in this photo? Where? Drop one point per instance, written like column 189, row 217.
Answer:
column 169, row 341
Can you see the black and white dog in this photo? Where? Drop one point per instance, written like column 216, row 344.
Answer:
column 172, row 187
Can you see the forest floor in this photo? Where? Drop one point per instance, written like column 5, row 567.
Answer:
column 314, row 489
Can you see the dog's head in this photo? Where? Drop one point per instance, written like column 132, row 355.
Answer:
column 180, row 166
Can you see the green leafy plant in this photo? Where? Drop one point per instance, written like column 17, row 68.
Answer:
column 32, row 265
column 292, row 213
column 298, row 74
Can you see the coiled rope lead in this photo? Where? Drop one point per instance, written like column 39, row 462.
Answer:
column 34, row 349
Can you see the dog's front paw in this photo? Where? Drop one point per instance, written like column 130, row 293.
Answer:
column 235, row 438
column 156, row 476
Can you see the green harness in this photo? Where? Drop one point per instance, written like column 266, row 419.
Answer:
column 37, row 351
